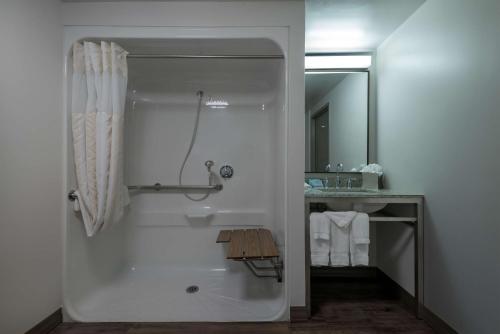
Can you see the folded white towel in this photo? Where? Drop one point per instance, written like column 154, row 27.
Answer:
column 341, row 227
column 373, row 168
column 360, row 240
column 340, row 218
column 339, row 246
column 319, row 230
column 320, row 226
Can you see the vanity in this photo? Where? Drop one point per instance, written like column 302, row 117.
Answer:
column 383, row 206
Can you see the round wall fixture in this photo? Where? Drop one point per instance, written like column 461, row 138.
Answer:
column 192, row 289
column 226, row 172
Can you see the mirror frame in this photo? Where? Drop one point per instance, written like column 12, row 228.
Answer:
column 368, row 99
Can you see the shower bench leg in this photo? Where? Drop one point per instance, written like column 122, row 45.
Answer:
column 276, row 266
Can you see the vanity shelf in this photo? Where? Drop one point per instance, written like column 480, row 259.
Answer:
column 384, row 217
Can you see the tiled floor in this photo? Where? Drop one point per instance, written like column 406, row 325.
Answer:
column 340, row 306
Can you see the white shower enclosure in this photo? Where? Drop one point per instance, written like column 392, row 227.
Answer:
column 162, row 262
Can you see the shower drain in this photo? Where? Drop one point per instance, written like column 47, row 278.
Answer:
column 192, row 289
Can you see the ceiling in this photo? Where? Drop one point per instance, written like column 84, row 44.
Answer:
column 353, row 25
column 318, row 85
column 345, row 25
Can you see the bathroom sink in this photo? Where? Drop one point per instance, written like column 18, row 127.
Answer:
column 368, row 207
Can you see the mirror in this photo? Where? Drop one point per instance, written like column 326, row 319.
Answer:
column 336, row 118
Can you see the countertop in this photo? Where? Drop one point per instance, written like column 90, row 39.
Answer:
column 384, row 193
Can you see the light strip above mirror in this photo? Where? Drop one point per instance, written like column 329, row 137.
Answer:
column 330, row 71
column 324, row 62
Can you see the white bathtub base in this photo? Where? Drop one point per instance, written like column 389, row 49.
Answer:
column 149, row 294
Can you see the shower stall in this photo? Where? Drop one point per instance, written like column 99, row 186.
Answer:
column 161, row 262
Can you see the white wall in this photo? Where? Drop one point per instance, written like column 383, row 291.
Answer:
column 348, row 120
column 438, row 133
column 31, row 162
column 234, row 14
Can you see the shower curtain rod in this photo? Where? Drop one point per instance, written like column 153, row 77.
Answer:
column 180, row 56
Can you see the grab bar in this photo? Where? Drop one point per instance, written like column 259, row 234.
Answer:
column 159, row 187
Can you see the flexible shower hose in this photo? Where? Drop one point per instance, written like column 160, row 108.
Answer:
column 193, row 139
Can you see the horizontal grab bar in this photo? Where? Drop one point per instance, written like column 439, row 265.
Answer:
column 159, row 187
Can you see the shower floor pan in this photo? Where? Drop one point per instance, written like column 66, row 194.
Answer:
column 151, row 294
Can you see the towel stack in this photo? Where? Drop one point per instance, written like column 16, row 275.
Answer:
column 320, row 239
column 339, row 238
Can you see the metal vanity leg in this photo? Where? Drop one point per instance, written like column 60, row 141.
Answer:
column 307, row 213
column 419, row 259
column 416, row 260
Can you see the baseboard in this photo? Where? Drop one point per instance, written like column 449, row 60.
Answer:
column 438, row 324
column 409, row 302
column 299, row 313
column 48, row 324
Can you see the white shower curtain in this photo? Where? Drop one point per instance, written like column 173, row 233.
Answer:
column 97, row 113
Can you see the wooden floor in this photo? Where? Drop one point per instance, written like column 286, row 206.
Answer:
column 340, row 306
column 360, row 305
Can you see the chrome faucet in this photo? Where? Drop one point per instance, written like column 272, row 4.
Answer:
column 328, row 167
column 338, row 181
column 338, row 178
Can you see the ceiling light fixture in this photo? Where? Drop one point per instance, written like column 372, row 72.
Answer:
column 317, row 62
column 216, row 104
column 326, row 72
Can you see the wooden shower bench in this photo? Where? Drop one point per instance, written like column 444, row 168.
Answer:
column 253, row 245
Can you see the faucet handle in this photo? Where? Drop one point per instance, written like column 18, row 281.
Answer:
column 209, row 164
column 340, row 167
column 349, row 182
